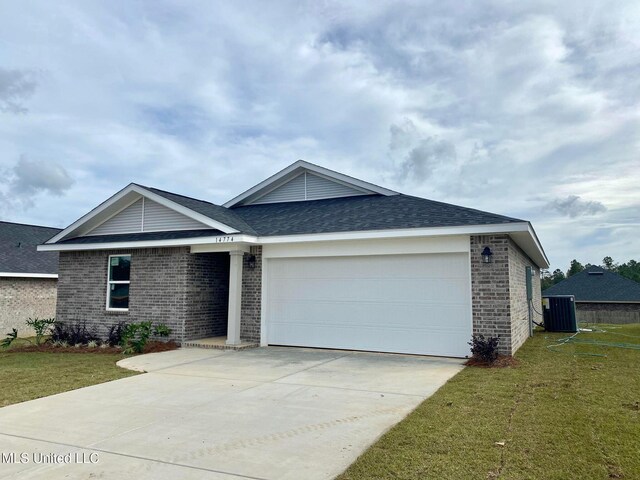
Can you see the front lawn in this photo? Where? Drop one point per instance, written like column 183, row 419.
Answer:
column 556, row 415
column 28, row 375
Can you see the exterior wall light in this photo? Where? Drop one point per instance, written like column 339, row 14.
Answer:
column 486, row 255
column 251, row 262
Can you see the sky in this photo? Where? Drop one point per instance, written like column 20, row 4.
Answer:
column 526, row 109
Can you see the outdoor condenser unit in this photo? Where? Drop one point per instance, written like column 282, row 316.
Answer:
column 560, row 313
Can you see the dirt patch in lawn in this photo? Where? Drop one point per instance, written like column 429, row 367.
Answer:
column 501, row 362
column 150, row 347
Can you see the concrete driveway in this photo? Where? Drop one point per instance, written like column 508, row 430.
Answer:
column 267, row 413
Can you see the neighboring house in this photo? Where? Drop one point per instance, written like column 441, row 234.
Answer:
column 27, row 277
column 308, row 257
column 601, row 296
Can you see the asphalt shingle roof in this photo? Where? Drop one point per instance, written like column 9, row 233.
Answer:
column 358, row 213
column 18, row 252
column 367, row 212
column 595, row 284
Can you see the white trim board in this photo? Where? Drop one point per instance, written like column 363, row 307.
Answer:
column 28, row 275
column 366, row 247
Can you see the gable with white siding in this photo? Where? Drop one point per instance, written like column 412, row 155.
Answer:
column 145, row 215
column 309, row 186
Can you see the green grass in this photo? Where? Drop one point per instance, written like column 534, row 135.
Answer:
column 560, row 415
column 25, row 376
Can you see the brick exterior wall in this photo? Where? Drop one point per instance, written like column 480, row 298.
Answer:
column 498, row 291
column 168, row 285
column 620, row 313
column 491, row 305
column 251, row 309
column 24, row 298
column 518, row 261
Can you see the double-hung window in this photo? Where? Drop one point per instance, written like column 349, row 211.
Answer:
column 118, row 282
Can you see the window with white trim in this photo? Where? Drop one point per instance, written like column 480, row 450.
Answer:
column 118, row 282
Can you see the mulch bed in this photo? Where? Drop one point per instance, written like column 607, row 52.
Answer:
column 150, row 347
column 501, row 362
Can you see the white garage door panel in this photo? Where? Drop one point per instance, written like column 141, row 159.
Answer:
column 446, row 290
column 391, row 303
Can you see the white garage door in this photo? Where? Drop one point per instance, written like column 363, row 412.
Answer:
column 387, row 303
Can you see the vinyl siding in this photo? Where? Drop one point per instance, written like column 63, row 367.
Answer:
column 292, row 191
column 157, row 218
column 127, row 221
column 307, row 186
column 320, row 187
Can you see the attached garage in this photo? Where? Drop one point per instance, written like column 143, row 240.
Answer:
column 417, row 303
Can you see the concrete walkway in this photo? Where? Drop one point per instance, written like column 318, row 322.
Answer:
column 266, row 413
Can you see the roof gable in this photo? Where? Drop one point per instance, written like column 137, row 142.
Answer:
column 308, row 186
column 128, row 196
column 595, row 284
column 304, row 181
column 145, row 215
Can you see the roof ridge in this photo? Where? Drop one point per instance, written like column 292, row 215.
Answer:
column 30, row 225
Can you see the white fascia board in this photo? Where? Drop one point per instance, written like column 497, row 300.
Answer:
column 533, row 234
column 399, row 233
column 28, row 275
column 145, row 193
column 301, row 164
column 175, row 242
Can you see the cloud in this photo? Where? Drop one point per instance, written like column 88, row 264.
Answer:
column 16, row 86
column 423, row 159
column 28, row 178
column 573, row 206
column 32, row 176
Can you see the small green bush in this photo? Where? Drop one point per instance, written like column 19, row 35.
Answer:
column 42, row 327
column 11, row 336
column 135, row 337
column 161, row 330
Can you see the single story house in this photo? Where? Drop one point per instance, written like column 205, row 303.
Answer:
column 308, row 257
column 601, row 296
column 28, row 278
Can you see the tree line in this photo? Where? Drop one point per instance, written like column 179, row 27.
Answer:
column 630, row 269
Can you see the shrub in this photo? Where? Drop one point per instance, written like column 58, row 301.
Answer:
column 135, row 336
column 114, row 337
column 92, row 344
column 6, row 343
column 485, row 349
column 42, row 327
column 73, row 334
column 161, row 330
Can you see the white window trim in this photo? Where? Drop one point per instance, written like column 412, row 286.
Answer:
column 117, row 282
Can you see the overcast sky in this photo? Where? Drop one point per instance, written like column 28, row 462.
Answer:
column 527, row 109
